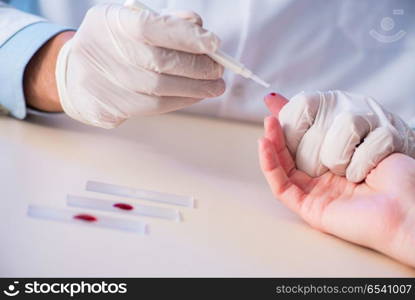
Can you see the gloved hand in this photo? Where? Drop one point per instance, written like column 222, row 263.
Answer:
column 124, row 63
column 346, row 133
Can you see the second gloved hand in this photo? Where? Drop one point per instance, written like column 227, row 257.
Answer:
column 124, row 63
column 345, row 133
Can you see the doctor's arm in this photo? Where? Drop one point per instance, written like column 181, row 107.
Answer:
column 378, row 212
column 122, row 63
column 39, row 78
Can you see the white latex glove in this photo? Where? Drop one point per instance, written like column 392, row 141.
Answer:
column 346, row 133
column 124, row 63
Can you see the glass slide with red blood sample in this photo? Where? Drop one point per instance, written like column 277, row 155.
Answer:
column 81, row 217
column 129, row 208
column 112, row 189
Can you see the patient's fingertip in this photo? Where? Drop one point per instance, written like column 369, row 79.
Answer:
column 271, row 96
column 267, row 99
column 275, row 102
column 278, row 97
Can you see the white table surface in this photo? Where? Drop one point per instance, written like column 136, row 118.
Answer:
column 238, row 229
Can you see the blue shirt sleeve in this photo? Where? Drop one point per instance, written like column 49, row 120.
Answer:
column 15, row 54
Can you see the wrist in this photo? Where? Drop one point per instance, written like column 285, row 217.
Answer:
column 39, row 78
column 403, row 244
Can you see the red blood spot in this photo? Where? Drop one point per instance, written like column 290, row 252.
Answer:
column 85, row 217
column 123, row 206
column 273, row 94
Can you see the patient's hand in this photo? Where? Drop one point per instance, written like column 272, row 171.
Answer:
column 378, row 213
column 345, row 133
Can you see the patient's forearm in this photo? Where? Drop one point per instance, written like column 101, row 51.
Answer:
column 39, row 78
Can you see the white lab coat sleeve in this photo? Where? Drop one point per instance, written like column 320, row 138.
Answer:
column 21, row 35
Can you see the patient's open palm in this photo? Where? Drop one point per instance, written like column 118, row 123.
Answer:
column 377, row 213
